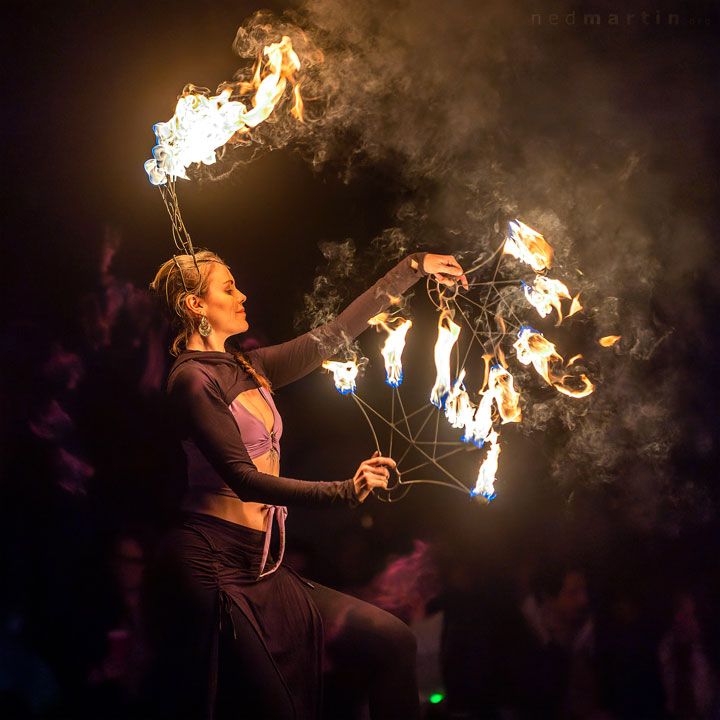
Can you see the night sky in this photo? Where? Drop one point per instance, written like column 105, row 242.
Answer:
column 441, row 121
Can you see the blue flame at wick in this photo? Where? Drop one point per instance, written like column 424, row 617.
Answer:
column 393, row 384
column 475, row 493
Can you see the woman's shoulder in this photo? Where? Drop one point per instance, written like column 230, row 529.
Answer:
column 194, row 369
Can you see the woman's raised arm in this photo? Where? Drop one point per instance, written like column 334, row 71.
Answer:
column 289, row 361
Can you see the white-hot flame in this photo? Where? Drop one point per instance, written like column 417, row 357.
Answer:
column 545, row 294
column 528, row 246
column 485, row 484
column 202, row 124
column 448, row 333
column 394, row 345
column 344, row 374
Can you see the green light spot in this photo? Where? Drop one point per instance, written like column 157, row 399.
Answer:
column 435, row 698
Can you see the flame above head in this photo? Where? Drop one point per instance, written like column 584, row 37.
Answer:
column 532, row 348
column 502, row 387
column 394, row 345
column 448, row 333
column 485, row 484
column 609, row 340
column 545, row 294
column 344, row 374
column 528, row 246
column 202, row 124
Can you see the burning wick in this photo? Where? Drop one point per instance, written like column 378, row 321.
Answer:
column 344, row 374
column 394, row 345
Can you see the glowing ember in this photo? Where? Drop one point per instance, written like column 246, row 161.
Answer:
column 202, row 124
column 528, row 246
column 545, row 294
column 344, row 374
column 448, row 333
column 485, row 485
column 392, row 350
column 609, row 340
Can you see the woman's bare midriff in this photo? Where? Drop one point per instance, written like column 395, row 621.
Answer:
column 231, row 508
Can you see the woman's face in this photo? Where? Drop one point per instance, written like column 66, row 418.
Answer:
column 223, row 302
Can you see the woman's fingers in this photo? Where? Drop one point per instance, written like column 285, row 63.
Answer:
column 445, row 269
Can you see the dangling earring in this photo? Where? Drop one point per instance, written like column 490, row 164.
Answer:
column 205, row 327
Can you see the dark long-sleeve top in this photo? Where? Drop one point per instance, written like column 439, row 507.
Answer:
column 202, row 387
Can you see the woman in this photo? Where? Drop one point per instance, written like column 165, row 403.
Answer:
column 239, row 634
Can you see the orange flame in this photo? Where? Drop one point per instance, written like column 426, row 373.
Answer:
column 575, row 306
column 609, row 340
column 344, row 374
column 394, row 345
column 448, row 333
column 528, row 246
column 202, row 124
column 506, row 397
column 532, row 347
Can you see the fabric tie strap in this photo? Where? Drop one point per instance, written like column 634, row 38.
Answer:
column 279, row 511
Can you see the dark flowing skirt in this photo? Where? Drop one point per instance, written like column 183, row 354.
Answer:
column 207, row 612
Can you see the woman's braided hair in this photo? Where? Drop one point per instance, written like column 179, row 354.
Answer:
column 174, row 282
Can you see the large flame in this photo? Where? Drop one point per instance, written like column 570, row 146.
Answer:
column 393, row 348
column 528, row 246
column 344, row 374
column 485, row 484
column 448, row 333
column 202, row 124
column 545, row 294
column 532, row 347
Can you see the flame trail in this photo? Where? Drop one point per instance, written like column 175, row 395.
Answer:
column 202, row 124
column 532, row 348
column 609, row 340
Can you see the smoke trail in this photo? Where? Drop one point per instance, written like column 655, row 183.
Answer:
column 586, row 136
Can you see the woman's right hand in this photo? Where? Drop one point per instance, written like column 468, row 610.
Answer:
column 371, row 474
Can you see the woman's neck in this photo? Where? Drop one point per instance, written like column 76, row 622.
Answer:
column 213, row 343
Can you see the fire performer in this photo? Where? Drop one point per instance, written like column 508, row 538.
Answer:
column 236, row 630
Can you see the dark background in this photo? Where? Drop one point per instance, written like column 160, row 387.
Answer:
column 84, row 84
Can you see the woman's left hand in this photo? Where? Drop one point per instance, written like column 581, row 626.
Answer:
column 445, row 269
